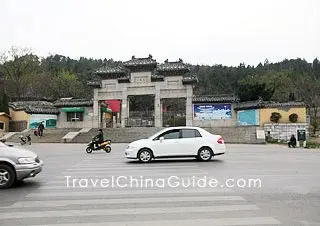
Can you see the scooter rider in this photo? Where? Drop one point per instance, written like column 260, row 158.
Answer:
column 99, row 138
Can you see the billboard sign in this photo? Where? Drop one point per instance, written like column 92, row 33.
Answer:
column 211, row 111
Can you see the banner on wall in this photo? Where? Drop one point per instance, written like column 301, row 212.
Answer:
column 49, row 121
column 211, row 111
column 248, row 117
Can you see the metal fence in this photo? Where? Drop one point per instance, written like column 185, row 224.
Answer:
column 173, row 118
column 140, row 122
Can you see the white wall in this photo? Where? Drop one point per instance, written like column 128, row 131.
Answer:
column 283, row 131
column 86, row 123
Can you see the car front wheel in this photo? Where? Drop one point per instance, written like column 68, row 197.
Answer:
column 145, row 156
column 205, row 154
column 7, row 176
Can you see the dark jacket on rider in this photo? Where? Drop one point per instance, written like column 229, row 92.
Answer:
column 100, row 136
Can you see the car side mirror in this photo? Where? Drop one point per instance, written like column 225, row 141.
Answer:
column 161, row 139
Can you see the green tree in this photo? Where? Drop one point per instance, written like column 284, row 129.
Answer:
column 67, row 84
column 253, row 87
column 18, row 64
column 4, row 107
column 307, row 87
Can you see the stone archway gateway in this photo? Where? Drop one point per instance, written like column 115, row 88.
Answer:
column 143, row 76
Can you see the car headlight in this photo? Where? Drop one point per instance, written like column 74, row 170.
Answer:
column 27, row 160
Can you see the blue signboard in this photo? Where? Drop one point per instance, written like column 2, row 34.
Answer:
column 248, row 117
column 211, row 111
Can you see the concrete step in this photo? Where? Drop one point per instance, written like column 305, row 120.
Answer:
column 49, row 135
column 126, row 135
column 118, row 135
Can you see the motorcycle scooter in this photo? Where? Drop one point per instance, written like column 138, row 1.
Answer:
column 25, row 140
column 105, row 145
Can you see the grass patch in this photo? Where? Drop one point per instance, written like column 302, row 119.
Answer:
column 313, row 145
column 275, row 141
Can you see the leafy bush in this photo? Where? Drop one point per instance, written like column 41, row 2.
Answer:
column 313, row 145
column 293, row 117
column 275, row 117
column 276, row 141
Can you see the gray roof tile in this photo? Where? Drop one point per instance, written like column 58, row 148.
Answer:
column 266, row 104
column 108, row 69
column 21, row 105
column 140, row 61
column 34, row 107
column 215, row 99
column 248, row 105
column 73, row 103
column 173, row 66
column 42, row 110
column 284, row 104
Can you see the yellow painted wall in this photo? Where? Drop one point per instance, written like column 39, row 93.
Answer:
column 5, row 119
column 265, row 114
column 19, row 116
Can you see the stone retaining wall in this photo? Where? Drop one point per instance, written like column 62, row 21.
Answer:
column 283, row 131
column 245, row 134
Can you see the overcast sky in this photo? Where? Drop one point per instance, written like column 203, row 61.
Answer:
column 210, row 32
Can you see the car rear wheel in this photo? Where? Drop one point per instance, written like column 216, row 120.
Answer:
column 7, row 176
column 145, row 156
column 205, row 154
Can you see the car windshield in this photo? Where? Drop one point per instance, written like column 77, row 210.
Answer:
column 156, row 134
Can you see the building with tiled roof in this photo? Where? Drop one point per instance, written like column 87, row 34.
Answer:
column 122, row 72
column 258, row 112
column 28, row 114
column 74, row 113
column 143, row 76
column 4, row 122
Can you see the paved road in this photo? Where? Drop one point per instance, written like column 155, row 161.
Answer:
column 289, row 192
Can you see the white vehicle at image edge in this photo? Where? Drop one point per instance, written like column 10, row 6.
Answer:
column 177, row 142
column 17, row 164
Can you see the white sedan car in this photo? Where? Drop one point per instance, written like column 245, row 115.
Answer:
column 176, row 142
